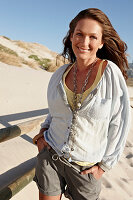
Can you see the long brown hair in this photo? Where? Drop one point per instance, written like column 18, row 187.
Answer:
column 114, row 48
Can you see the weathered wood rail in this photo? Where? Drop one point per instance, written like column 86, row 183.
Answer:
column 8, row 133
column 9, row 191
column 19, row 129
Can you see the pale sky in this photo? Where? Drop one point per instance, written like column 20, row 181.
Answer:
column 47, row 21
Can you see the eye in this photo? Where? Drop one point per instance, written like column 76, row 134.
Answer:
column 79, row 34
column 93, row 37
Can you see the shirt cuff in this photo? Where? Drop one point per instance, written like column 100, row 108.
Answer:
column 43, row 125
column 104, row 166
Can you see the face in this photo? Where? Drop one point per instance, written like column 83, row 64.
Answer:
column 86, row 39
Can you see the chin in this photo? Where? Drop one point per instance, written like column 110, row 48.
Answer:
column 82, row 56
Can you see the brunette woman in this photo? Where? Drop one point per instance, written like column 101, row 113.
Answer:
column 85, row 131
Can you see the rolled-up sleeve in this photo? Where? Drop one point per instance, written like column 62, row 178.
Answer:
column 47, row 122
column 118, row 127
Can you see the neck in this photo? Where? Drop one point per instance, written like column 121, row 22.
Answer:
column 84, row 65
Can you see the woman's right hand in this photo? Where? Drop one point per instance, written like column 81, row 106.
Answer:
column 41, row 143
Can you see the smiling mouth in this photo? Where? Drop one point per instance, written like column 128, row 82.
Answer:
column 83, row 50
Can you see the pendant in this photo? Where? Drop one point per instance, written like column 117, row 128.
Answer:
column 78, row 105
column 70, row 160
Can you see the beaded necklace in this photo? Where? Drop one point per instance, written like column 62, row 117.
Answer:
column 77, row 103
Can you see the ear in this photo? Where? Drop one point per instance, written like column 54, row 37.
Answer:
column 101, row 45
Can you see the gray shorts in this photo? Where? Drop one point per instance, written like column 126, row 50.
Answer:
column 52, row 178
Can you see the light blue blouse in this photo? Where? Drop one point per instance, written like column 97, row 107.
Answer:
column 102, row 123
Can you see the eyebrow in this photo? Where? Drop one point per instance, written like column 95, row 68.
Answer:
column 90, row 33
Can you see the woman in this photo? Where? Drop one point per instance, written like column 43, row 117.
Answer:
column 88, row 121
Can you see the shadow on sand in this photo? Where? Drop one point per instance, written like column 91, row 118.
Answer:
column 6, row 119
column 11, row 175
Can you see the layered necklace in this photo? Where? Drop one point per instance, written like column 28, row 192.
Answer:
column 77, row 104
column 76, row 100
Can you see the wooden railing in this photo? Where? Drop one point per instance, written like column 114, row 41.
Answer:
column 8, row 133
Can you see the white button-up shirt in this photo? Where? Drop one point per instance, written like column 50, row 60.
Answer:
column 102, row 122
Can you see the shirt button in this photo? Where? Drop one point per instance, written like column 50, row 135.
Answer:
column 68, row 127
column 72, row 149
column 67, row 149
column 64, row 142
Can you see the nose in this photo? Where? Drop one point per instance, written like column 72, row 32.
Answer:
column 85, row 41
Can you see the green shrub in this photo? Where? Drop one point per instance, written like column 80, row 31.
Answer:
column 6, row 37
column 35, row 57
column 43, row 62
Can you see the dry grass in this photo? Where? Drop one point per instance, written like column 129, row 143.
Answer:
column 22, row 44
column 130, row 82
column 32, row 64
column 7, row 50
column 55, row 64
column 10, row 59
column 52, row 67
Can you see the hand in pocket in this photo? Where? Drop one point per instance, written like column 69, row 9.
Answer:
column 96, row 171
column 41, row 143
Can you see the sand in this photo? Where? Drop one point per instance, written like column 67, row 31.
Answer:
column 23, row 97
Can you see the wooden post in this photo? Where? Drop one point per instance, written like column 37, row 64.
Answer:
column 20, row 129
column 9, row 191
